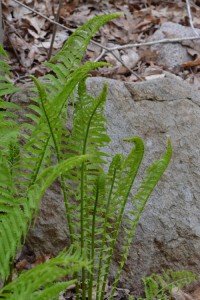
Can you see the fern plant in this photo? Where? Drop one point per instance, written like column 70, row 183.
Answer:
column 100, row 199
column 95, row 200
column 41, row 282
column 28, row 170
column 161, row 286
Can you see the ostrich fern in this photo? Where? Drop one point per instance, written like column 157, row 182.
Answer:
column 161, row 287
column 27, row 169
column 39, row 282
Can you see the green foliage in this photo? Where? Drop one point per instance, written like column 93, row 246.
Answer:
column 40, row 283
column 160, row 287
column 34, row 155
column 8, row 127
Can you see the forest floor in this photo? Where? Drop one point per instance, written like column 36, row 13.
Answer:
column 28, row 35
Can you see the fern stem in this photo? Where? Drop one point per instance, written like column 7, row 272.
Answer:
column 111, row 251
column 63, row 186
column 135, row 158
column 104, row 234
column 92, row 245
column 113, row 246
column 83, row 206
column 34, row 176
column 43, row 99
column 11, row 267
column 82, row 229
column 67, row 209
column 82, row 215
column 125, row 253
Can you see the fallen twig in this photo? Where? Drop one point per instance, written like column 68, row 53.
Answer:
column 163, row 41
column 103, row 52
column 190, row 17
column 54, row 29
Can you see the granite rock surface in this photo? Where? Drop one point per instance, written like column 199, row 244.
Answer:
column 173, row 54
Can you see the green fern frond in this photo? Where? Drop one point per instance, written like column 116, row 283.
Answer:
column 69, row 59
column 139, row 200
column 122, row 185
column 53, row 291
column 8, row 127
column 74, row 49
column 39, row 142
column 41, row 137
column 36, row 153
column 89, row 133
column 160, row 287
column 2, row 51
column 99, row 201
column 6, row 85
column 38, row 283
column 88, row 136
column 109, row 219
column 14, row 224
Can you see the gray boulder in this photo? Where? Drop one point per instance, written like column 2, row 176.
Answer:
column 172, row 54
column 168, row 234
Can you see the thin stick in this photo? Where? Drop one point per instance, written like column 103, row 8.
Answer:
column 163, row 41
column 103, row 52
column 54, row 30
column 190, row 17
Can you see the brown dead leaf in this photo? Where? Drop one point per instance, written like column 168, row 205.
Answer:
column 67, row 9
column 18, row 43
column 23, row 265
column 192, row 63
column 196, row 294
column 36, row 23
column 192, row 45
column 39, row 70
column 147, row 55
column 41, row 259
column 149, row 20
